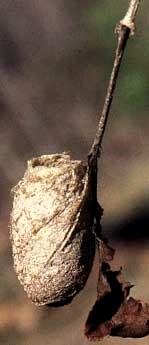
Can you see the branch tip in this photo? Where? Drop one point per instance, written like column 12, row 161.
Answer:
column 125, row 28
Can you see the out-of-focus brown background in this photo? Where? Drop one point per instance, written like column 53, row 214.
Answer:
column 55, row 61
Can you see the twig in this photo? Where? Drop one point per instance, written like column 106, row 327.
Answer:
column 125, row 28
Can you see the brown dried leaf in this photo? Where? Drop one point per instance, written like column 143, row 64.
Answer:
column 132, row 319
column 113, row 313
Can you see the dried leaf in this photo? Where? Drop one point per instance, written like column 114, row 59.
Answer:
column 113, row 313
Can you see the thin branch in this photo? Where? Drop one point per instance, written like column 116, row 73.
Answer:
column 129, row 18
column 125, row 28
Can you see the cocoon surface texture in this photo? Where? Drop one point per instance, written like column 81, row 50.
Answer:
column 52, row 241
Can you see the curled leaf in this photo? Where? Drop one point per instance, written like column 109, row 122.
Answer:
column 114, row 313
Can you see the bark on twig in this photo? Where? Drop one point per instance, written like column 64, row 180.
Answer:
column 125, row 28
column 114, row 312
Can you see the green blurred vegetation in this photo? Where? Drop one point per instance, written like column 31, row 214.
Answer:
column 100, row 19
column 55, row 62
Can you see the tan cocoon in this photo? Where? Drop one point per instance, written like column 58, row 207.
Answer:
column 52, row 242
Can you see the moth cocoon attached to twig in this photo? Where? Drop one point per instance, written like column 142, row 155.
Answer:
column 52, row 241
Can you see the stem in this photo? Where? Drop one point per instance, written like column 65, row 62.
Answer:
column 125, row 28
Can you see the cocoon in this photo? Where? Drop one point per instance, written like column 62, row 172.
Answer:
column 52, row 242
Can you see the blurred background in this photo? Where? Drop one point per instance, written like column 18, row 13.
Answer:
column 55, row 62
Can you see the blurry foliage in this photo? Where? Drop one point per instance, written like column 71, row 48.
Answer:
column 132, row 90
column 51, row 93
